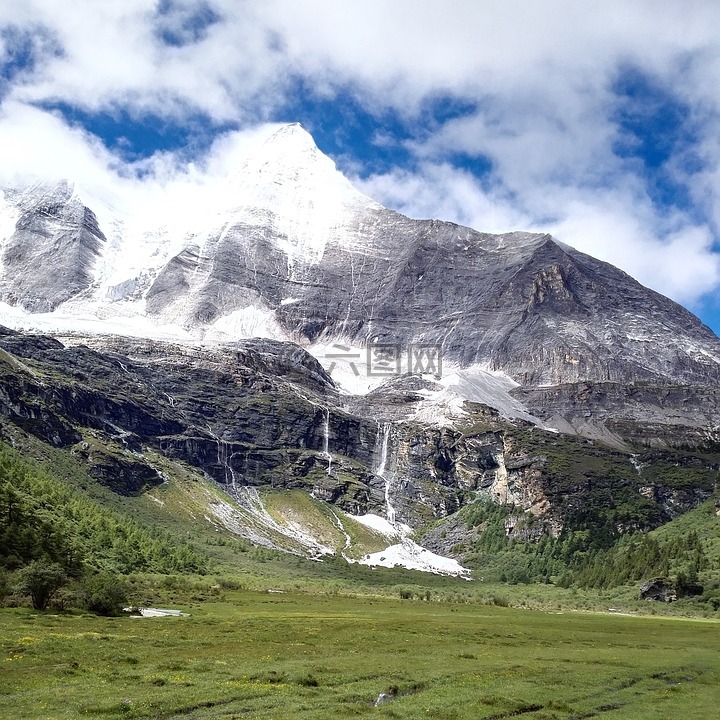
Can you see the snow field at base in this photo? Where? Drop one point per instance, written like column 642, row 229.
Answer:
column 412, row 556
column 406, row 553
column 72, row 319
column 395, row 530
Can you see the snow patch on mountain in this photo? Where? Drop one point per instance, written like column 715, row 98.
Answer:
column 479, row 384
column 347, row 364
column 245, row 323
column 394, row 530
column 405, row 552
column 412, row 556
column 445, row 407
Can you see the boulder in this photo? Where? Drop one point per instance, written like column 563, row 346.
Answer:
column 659, row 590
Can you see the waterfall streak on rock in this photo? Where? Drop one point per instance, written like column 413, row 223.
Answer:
column 381, row 470
column 326, row 439
column 348, row 539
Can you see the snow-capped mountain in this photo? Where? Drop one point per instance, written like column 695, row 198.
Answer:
column 282, row 331
column 286, row 248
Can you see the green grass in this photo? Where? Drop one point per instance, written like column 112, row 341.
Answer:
column 260, row 655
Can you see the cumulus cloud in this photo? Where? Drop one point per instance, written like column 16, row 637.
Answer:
column 36, row 144
column 220, row 55
column 538, row 83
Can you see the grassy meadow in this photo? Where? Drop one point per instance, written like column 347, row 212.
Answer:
column 277, row 636
column 250, row 654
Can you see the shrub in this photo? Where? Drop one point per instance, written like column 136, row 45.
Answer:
column 67, row 597
column 105, row 594
column 499, row 601
column 41, row 580
column 229, row 584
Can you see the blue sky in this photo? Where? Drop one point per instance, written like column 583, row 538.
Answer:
column 597, row 122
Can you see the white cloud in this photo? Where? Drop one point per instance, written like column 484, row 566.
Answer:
column 113, row 56
column 395, row 53
column 440, row 191
column 35, row 144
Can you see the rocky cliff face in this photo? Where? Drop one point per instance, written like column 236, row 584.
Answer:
column 50, row 255
column 265, row 414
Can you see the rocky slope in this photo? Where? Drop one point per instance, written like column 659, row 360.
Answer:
column 54, row 244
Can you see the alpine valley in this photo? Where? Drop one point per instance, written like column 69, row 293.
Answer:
column 286, row 361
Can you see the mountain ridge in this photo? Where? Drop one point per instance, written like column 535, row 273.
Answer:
column 308, row 234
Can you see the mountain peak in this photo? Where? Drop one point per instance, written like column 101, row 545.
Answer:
column 289, row 149
column 292, row 133
column 289, row 178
